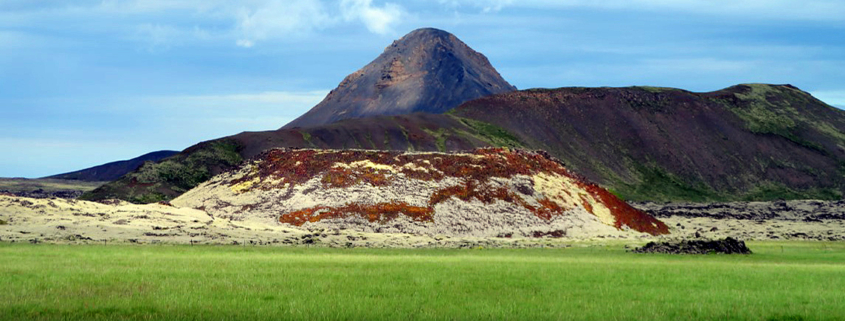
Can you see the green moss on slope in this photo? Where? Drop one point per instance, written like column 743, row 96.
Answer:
column 763, row 114
column 656, row 184
column 492, row 134
column 439, row 136
column 165, row 180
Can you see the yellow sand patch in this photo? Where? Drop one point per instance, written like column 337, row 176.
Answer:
column 414, row 167
column 245, row 186
column 366, row 164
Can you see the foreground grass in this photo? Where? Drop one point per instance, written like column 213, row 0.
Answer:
column 781, row 281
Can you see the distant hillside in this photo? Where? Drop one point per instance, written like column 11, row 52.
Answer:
column 46, row 187
column 746, row 142
column 427, row 70
column 114, row 170
column 170, row 178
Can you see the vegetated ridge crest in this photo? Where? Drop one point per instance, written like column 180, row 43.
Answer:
column 744, row 142
column 114, row 170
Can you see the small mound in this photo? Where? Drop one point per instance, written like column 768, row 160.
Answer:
column 725, row 246
column 484, row 193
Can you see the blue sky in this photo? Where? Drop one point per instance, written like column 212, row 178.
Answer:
column 87, row 82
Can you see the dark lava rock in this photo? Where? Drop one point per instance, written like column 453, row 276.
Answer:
column 40, row 193
column 726, row 246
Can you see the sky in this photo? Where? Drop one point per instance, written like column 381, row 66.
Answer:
column 87, row 82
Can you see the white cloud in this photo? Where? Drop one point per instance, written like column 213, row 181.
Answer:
column 158, row 36
column 255, row 107
column 378, row 20
column 263, row 20
column 279, row 99
column 484, row 5
column 780, row 9
column 193, row 118
column 159, row 24
column 245, row 43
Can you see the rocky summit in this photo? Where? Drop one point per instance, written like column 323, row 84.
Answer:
column 427, row 70
column 491, row 192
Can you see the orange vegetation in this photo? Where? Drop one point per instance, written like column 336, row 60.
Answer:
column 298, row 166
column 382, row 213
column 625, row 214
column 486, row 195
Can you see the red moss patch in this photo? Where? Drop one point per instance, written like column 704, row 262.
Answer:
column 625, row 214
column 549, row 208
column 344, row 177
column 382, row 213
column 298, row 166
column 470, row 190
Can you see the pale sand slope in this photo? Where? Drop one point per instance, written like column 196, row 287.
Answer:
column 454, row 217
column 70, row 221
column 60, row 220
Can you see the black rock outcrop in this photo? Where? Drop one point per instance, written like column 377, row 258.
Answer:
column 725, row 246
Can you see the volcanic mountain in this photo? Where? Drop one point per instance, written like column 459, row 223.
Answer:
column 745, row 142
column 427, row 70
column 491, row 192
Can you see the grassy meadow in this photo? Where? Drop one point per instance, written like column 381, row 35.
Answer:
column 781, row 281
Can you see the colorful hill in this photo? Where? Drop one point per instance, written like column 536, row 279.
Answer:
column 485, row 193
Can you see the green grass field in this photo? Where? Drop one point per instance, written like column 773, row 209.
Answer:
column 781, row 281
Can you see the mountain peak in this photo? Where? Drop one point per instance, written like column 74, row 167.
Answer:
column 427, row 32
column 427, row 70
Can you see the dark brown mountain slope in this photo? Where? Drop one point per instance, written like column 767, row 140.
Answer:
column 747, row 142
column 743, row 142
column 427, row 70
column 171, row 177
column 114, row 170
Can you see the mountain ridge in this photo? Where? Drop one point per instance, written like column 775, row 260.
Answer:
column 792, row 162
column 751, row 141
